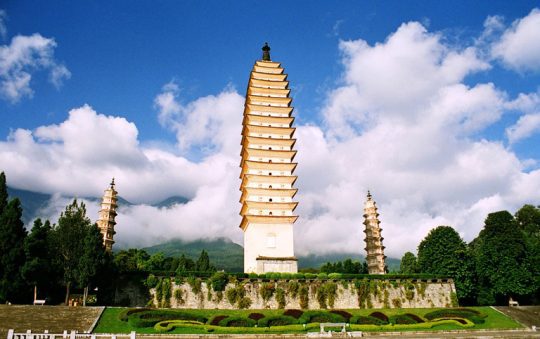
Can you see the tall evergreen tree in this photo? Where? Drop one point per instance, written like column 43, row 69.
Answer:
column 12, row 235
column 501, row 260
column 409, row 264
column 68, row 237
column 3, row 193
column 203, row 263
column 92, row 259
column 443, row 252
column 38, row 269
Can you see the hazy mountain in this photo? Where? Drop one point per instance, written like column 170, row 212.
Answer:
column 230, row 256
column 32, row 202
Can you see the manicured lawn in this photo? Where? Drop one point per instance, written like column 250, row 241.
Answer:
column 111, row 323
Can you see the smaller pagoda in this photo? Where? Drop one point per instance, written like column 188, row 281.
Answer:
column 107, row 214
column 374, row 241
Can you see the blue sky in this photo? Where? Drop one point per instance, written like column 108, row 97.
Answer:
column 161, row 83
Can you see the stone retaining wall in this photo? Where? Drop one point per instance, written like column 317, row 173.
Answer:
column 333, row 294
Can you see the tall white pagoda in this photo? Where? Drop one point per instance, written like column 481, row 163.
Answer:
column 107, row 214
column 374, row 241
column 268, row 171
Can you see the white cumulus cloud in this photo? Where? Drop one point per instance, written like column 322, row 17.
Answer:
column 519, row 46
column 526, row 126
column 23, row 56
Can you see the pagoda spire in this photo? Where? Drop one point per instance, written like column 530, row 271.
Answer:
column 266, row 52
column 374, row 241
column 107, row 215
column 267, row 171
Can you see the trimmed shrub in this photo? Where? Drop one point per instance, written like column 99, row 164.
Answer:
column 152, row 317
column 310, row 275
column 342, row 313
column 335, row 276
column 124, row 315
column 362, row 320
column 215, row 320
column 256, row 316
column 322, row 276
column 273, row 275
column 416, row 318
column 286, row 275
column 381, row 316
column 402, row 319
column 320, row 317
column 299, row 276
column 279, row 320
column 451, row 313
column 253, row 276
column 293, row 313
column 237, row 322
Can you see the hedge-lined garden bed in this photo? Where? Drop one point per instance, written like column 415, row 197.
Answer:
column 123, row 320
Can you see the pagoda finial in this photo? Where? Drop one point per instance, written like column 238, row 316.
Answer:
column 266, row 52
column 368, row 195
column 112, row 183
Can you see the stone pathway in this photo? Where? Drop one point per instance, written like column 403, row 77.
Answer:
column 56, row 319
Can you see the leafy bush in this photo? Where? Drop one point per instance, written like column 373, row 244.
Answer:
column 299, row 276
column 414, row 317
column 342, row 313
column 237, row 322
column 179, row 296
column 280, row 298
column 256, row 316
column 244, row 303
column 234, row 294
column 303, row 292
column 310, row 275
column 278, row 320
column 195, row 284
column 381, row 316
column 168, row 325
column 266, row 290
column 253, row 276
column 273, row 275
column 294, row 313
column 151, row 281
column 219, row 281
column 292, row 288
column 215, row 320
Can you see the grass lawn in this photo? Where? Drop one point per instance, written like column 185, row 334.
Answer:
column 110, row 322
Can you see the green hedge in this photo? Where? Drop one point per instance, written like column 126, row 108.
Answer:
column 465, row 313
column 278, row 320
column 149, row 318
column 320, row 317
column 237, row 322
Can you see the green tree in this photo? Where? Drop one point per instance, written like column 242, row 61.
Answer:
column 203, row 263
column 38, row 269
column 444, row 252
column 409, row 264
column 12, row 235
column 3, row 193
column 185, row 264
column 528, row 220
column 68, row 237
column 92, row 259
column 501, row 260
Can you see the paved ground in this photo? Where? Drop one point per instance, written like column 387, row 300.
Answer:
column 526, row 315
column 56, row 319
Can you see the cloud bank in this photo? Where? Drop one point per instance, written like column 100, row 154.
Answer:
column 403, row 122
